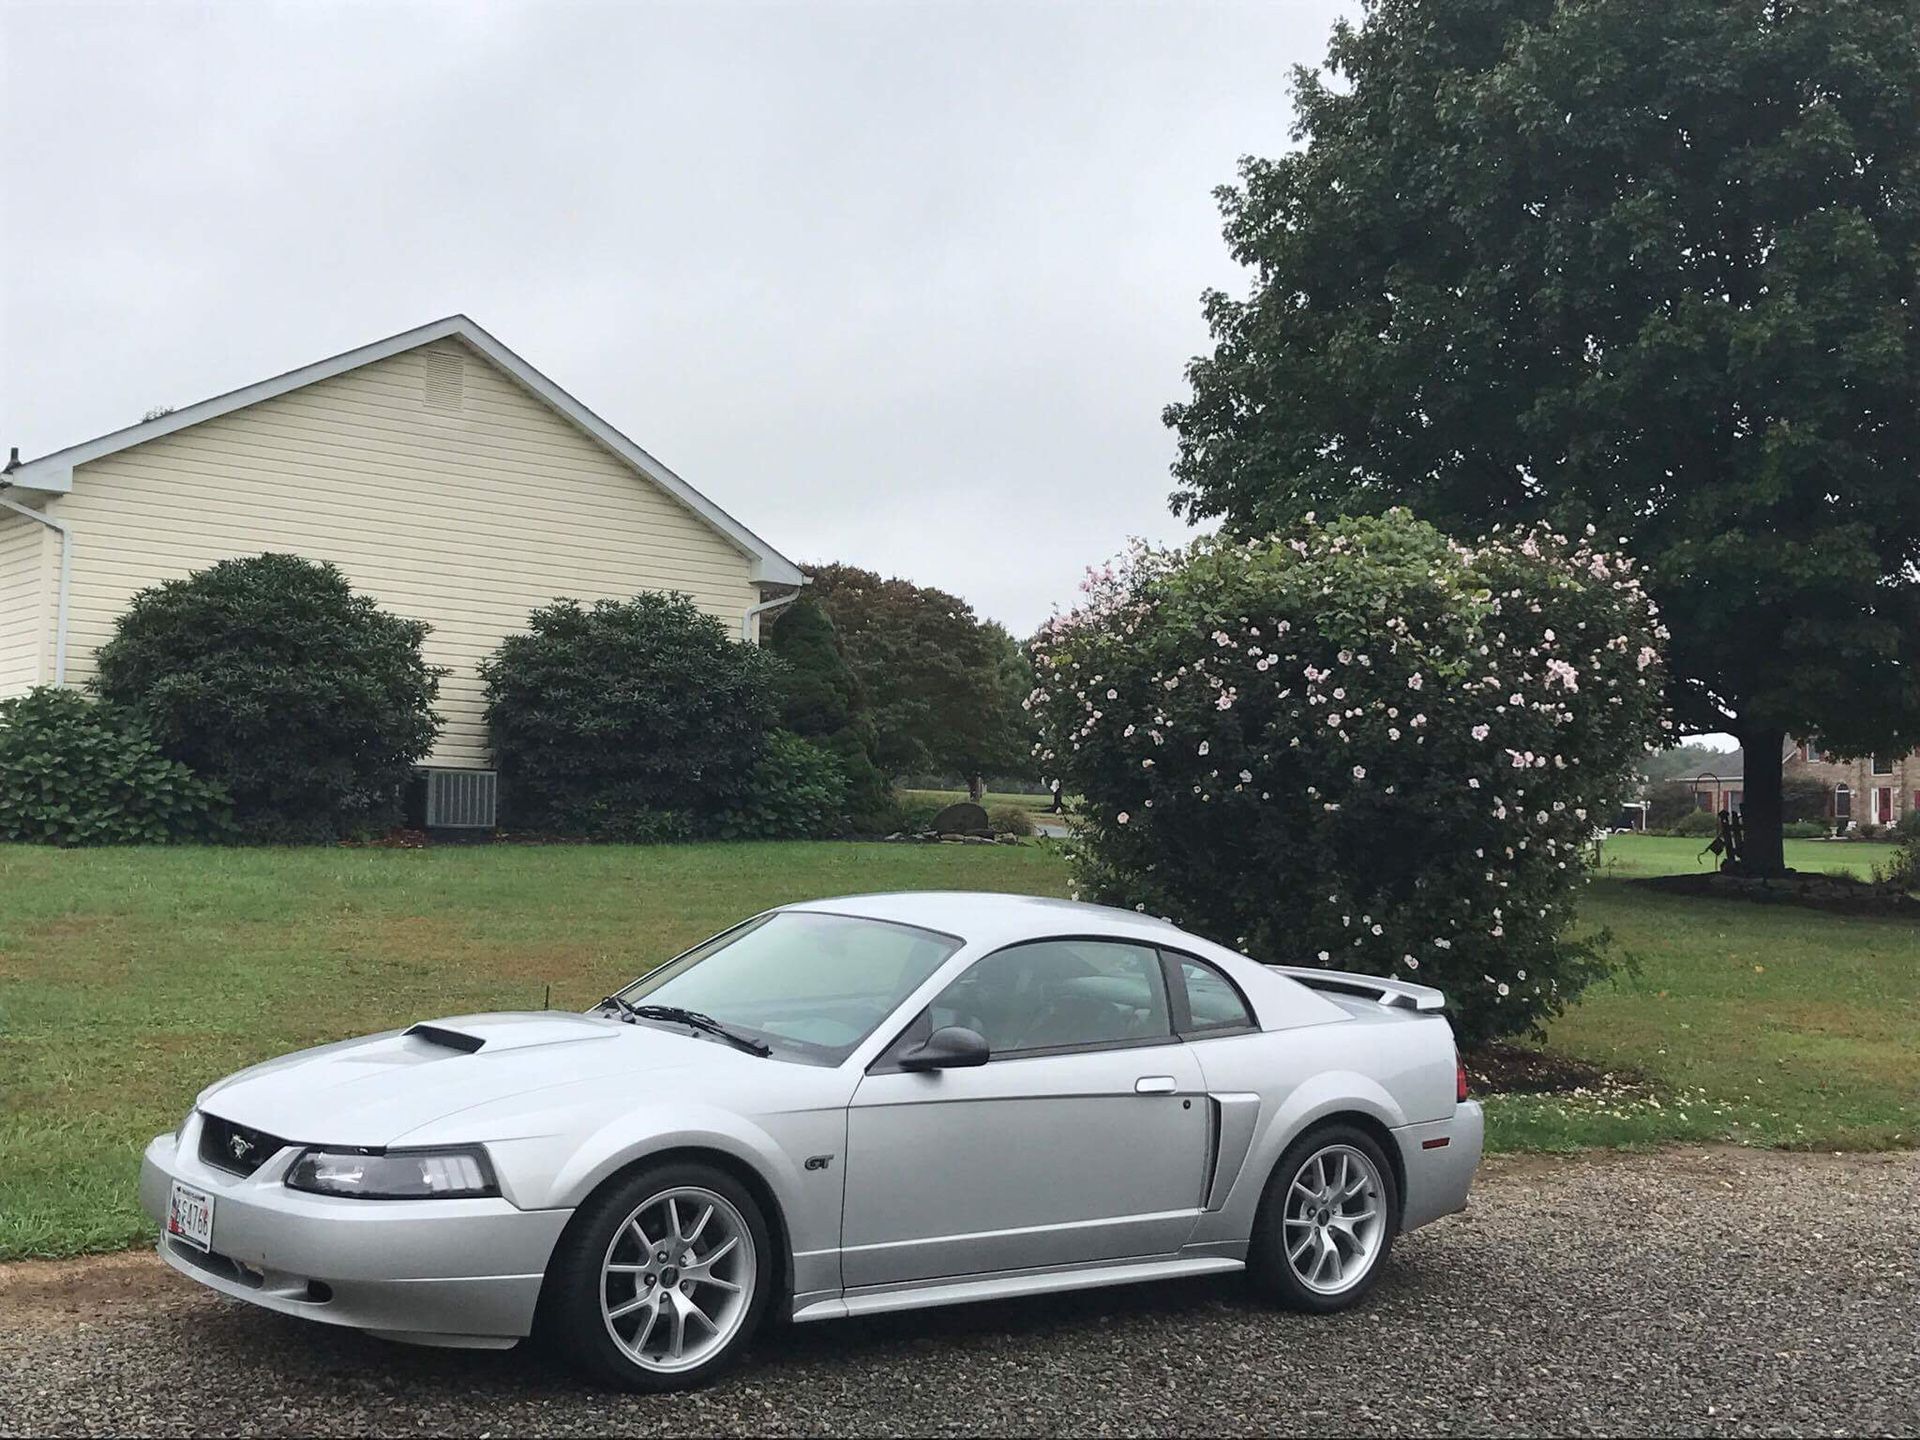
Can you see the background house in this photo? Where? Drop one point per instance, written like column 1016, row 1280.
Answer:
column 1876, row 790
column 444, row 475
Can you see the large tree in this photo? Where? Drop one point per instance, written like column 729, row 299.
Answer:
column 1646, row 265
column 945, row 688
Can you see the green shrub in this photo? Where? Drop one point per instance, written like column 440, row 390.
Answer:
column 1804, row 798
column 606, row 717
column 1010, row 820
column 1907, row 827
column 916, row 816
column 796, row 791
column 1803, row 830
column 77, row 772
column 1359, row 745
column 1695, row 823
column 822, row 700
column 308, row 703
column 1668, row 805
column 621, row 813
column 1902, row 868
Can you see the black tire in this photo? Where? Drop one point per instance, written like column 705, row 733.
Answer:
column 572, row 1324
column 1274, row 1274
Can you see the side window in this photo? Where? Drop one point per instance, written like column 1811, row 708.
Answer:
column 1212, row 1001
column 1053, row 994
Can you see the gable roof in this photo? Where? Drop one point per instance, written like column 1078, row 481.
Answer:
column 53, row 472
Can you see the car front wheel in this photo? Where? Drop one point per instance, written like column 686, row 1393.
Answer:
column 1326, row 1222
column 661, row 1280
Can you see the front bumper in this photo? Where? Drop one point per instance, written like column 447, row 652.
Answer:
column 446, row 1272
column 1439, row 1158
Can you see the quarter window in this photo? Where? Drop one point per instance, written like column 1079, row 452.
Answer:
column 1212, row 1001
column 1059, row 994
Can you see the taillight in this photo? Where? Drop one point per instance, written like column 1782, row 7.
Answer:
column 1459, row 1080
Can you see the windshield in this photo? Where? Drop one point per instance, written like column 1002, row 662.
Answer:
column 812, row 986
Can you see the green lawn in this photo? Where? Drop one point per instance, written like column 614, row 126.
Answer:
column 130, row 978
column 1628, row 855
column 1767, row 1024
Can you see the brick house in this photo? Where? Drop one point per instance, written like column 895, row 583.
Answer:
column 1877, row 790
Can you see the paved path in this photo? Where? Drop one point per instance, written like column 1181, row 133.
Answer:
column 1717, row 1292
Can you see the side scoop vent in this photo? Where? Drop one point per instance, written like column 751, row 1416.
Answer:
column 451, row 1039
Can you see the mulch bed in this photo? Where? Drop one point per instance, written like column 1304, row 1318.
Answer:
column 1501, row 1069
column 1842, row 893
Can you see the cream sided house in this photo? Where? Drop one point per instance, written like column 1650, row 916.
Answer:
column 444, row 475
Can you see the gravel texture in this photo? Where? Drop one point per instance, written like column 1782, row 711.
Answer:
column 1721, row 1292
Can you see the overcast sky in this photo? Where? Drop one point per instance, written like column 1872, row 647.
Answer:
column 905, row 285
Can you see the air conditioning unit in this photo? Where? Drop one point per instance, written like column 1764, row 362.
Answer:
column 462, row 799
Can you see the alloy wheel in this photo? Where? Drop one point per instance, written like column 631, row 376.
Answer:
column 1335, row 1218
column 677, row 1281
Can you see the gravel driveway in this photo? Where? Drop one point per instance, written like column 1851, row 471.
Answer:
column 1700, row 1292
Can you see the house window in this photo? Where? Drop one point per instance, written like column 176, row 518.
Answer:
column 1842, row 803
column 1812, row 753
column 1703, row 799
column 1882, row 767
column 1733, row 799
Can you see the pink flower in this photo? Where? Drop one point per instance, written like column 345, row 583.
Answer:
column 1122, row 818
column 1480, row 732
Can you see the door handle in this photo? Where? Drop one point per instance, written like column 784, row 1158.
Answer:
column 1154, row 1085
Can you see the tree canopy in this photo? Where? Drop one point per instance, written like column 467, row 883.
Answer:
column 944, row 687
column 1649, row 267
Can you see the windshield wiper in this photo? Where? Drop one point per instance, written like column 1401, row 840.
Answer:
column 678, row 1015
column 617, row 1002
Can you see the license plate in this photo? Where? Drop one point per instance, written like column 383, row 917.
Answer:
column 190, row 1216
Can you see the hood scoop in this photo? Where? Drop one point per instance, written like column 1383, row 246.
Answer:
column 450, row 1039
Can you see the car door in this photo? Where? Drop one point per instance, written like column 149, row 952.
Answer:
column 1083, row 1138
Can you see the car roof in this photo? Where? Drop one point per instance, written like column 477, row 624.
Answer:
column 984, row 917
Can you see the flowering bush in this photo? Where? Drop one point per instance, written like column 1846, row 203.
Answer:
column 1359, row 745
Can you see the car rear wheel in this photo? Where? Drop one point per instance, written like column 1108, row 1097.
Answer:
column 661, row 1280
column 1326, row 1223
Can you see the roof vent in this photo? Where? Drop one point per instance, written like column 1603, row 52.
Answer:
column 444, row 382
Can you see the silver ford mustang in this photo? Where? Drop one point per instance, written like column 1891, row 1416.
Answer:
column 839, row 1108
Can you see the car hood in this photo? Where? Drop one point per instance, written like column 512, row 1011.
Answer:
column 372, row 1091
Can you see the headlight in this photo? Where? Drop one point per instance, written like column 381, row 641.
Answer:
column 464, row 1172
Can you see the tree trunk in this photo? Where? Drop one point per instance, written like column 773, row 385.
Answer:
column 976, row 789
column 1760, row 802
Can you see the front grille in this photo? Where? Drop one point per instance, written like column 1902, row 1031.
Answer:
column 214, row 1263
column 236, row 1148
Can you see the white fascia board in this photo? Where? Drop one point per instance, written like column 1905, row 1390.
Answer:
column 53, row 473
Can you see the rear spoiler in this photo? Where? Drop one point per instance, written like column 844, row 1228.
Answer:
column 1396, row 994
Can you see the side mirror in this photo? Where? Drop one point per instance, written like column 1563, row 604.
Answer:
column 952, row 1047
